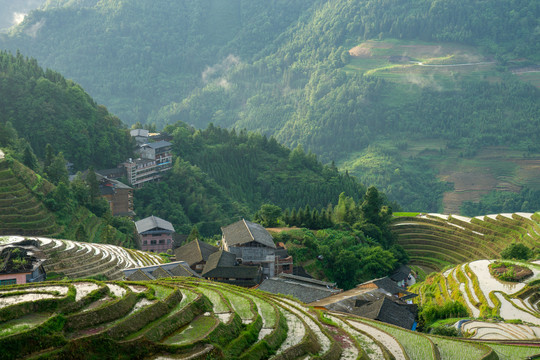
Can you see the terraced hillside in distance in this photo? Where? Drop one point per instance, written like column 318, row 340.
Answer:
column 486, row 297
column 435, row 241
column 76, row 260
column 420, row 63
column 182, row 317
column 21, row 212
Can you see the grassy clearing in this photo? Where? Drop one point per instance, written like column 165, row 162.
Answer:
column 409, row 214
column 421, row 64
column 531, row 77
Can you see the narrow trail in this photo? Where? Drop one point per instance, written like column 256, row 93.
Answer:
column 419, row 63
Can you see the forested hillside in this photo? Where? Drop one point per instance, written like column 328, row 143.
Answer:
column 220, row 176
column 32, row 206
column 136, row 57
column 332, row 76
column 43, row 107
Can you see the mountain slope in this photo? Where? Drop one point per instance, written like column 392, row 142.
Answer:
column 147, row 55
column 25, row 209
column 288, row 69
column 45, row 108
column 220, row 176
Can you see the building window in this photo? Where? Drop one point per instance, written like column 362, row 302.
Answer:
column 153, row 242
column 145, row 242
column 162, row 241
column 286, row 267
column 168, row 241
column 8, row 282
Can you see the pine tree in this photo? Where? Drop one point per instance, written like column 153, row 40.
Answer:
column 29, row 159
column 194, row 234
column 93, row 185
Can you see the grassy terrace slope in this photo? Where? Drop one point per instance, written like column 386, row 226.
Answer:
column 23, row 212
column 77, row 260
column 182, row 317
column 434, row 241
column 485, row 297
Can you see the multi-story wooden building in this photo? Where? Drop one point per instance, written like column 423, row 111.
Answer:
column 155, row 234
column 155, row 159
column 118, row 195
column 252, row 245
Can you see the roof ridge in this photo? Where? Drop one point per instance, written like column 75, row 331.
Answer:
column 248, row 229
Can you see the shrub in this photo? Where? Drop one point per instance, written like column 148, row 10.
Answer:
column 517, row 251
column 444, row 330
column 450, row 309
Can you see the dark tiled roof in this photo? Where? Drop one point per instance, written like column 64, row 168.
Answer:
column 114, row 173
column 222, row 264
column 303, row 291
column 234, row 272
column 152, row 222
column 158, row 144
column 307, row 280
column 402, row 273
column 139, row 275
column 180, row 270
column 195, row 251
column 161, row 273
column 168, row 269
column 300, row 271
column 219, row 259
column 243, row 231
column 389, row 286
column 389, row 311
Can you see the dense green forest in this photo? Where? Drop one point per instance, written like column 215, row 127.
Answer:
column 220, row 176
column 284, row 69
column 355, row 243
column 501, row 201
column 45, row 108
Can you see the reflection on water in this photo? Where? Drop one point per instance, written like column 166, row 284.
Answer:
column 488, row 283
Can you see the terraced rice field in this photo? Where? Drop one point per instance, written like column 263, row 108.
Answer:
column 21, row 212
column 484, row 295
column 77, row 260
column 436, row 241
column 179, row 318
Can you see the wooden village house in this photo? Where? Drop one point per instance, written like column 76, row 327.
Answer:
column 155, row 234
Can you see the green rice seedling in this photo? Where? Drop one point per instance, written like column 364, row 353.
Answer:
column 417, row 346
column 457, row 350
column 511, row 352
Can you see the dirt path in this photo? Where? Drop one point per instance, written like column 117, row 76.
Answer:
column 419, row 63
